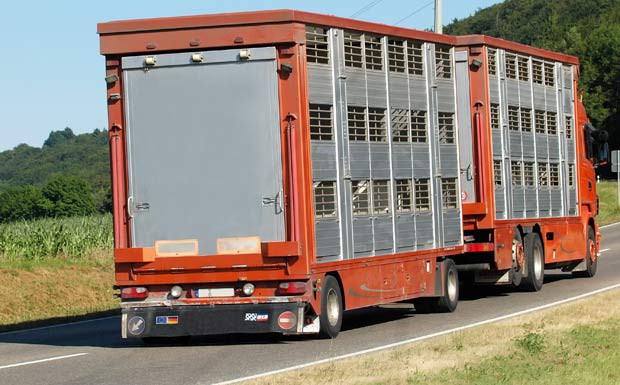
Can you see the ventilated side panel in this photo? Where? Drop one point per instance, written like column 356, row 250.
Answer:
column 542, row 149
column 327, row 233
column 556, row 202
column 383, row 237
column 417, row 94
column 421, row 161
column 544, row 203
column 554, row 148
column 529, row 150
column 320, row 84
column 496, row 136
column 326, row 135
column 360, row 160
column 380, row 161
column 531, row 203
column 449, row 160
column 362, row 237
column 518, row 202
column 452, row 231
column 324, row 165
column 405, row 232
column 424, row 231
column 515, row 144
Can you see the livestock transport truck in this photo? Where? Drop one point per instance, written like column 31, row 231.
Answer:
column 272, row 170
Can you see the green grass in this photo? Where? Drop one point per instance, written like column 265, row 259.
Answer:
column 587, row 354
column 55, row 240
column 609, row 212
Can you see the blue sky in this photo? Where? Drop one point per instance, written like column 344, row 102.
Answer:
column 51, row 73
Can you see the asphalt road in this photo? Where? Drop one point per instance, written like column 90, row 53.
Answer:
column 93, row 353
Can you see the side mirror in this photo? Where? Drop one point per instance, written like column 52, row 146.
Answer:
column 597, row 148
column 603, row 153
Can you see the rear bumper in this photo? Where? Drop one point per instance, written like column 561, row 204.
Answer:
column 175, row 321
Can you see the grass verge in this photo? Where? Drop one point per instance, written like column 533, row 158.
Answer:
column 574, row 343
column 56, row 289
column 609, row 212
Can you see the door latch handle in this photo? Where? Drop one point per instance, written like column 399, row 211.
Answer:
column 276, row 201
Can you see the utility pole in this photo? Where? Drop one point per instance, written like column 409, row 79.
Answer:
column 438, row 21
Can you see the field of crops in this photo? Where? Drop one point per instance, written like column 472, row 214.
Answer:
column 68, row 238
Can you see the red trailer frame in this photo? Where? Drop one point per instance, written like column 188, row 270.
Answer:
column 388, row 278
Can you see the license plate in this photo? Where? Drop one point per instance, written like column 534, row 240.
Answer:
column 218, row 292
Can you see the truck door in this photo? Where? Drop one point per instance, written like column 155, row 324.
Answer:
column 203, row 141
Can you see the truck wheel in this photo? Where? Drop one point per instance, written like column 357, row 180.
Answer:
column 534, row 263
column 449, row 300
column 331, row 308
column 591, row 258
column 518, row 259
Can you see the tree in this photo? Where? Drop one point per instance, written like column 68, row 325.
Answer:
column 57, row 137
column 68, row 195
column 19, row 203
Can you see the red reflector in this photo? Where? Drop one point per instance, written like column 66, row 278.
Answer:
column 287, row 320
column 291, row 288
column 479, row 247
column 134, row 293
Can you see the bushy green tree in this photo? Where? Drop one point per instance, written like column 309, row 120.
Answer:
column 19, row 203
column 85, row 156
column 68, row 195
column 58, row 137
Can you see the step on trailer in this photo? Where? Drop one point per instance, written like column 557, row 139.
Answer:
column 272, row 170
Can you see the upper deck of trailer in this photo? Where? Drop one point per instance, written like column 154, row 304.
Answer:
column 154, row 35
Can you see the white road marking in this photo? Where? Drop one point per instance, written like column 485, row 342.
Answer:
column 421, row 338
column 43, row 360
column 604, row 250
column 59, row 325
column 609, row 225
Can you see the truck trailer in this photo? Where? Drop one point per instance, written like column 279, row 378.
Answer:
column 272, row 170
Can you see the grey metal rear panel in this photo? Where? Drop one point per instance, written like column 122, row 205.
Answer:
column 204, row 148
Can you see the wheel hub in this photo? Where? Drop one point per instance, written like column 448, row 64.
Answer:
column 333, row 307
column 518, row 255
column 592, row 250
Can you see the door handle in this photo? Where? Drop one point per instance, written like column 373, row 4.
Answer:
column 276, row 201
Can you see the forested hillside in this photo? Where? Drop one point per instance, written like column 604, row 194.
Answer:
column 68, row 175
column 589, row 29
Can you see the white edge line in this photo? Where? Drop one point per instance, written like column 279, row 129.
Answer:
column 57, row 325
column 604, row 250
column 43, row 360
column 421, row 338
column 609, row 225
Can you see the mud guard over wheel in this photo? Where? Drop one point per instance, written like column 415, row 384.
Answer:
column 591, row 259
column 448, row 301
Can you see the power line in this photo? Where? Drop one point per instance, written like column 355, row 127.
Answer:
column 366, row 7
column 415, row 12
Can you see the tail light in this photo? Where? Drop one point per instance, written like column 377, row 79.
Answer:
column 291, row 288
column 134, row 293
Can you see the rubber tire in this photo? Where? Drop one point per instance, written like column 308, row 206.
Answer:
column 516, row 276
column 590, row 267
column 443, row 304
column 330, row 287
column 530, row 282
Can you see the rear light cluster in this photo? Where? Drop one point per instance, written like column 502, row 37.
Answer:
column 291, row 288
column 134, row 293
